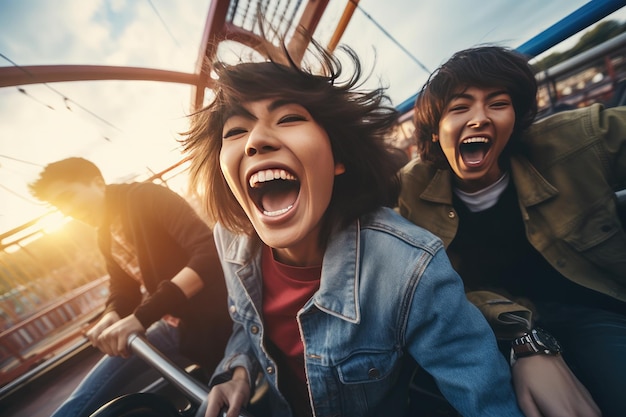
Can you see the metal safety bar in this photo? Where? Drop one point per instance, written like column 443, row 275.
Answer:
column 193, row 389
column 170, row 371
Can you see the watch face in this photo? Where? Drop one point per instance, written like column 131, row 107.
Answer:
column 546, row 340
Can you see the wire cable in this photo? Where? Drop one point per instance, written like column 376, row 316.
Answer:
column 163, row 23
column 394, row 40
column 66, row 100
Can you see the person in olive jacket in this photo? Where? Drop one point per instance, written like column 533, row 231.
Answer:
column 153, row 242
column 527, row 212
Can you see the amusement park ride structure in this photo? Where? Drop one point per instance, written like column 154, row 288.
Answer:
column 35, row 345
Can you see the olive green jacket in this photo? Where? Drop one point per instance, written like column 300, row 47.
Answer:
column 566, row 182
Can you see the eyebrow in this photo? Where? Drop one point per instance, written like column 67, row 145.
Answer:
column 238, row 111
column 279, row 103
column 242, row 111
column 469, row 96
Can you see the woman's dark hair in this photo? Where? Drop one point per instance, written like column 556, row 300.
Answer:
column 483, row 67
column 356, row 123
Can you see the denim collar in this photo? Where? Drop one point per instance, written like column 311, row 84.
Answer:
column 338, row 294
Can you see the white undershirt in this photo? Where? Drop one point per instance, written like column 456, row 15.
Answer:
column 485, row 198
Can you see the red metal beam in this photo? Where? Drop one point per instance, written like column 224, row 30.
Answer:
column 36, row 74
column 305, row 29
column 213, row 30
column 217, row 30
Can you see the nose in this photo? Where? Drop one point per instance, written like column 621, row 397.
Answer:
column 479, row 118
column 261, row 140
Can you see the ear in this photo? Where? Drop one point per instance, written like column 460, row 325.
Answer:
column 339, row 168
column 98, row 181
column 435, row 137
column 99, row 185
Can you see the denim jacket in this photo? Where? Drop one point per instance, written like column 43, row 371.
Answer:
column 566, row 182
column 387, row 294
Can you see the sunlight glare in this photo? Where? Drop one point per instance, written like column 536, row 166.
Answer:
column 53, row 222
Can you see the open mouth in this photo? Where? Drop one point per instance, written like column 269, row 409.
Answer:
column 274, row 191
column 473, row 150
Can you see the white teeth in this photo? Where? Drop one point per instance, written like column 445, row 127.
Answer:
column 476, row 140
column 277, row 212
column 269, row 175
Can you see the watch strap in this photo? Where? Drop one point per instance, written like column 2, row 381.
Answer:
column 526, row 345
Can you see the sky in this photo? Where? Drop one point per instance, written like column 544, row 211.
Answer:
column 132, row 128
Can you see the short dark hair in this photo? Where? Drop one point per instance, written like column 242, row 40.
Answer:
column 356, row 123
column 482, row 66
column 69, row 170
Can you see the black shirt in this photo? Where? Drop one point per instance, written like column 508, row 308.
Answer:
column 491, row 251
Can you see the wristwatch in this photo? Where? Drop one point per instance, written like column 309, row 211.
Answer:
column 537, row 341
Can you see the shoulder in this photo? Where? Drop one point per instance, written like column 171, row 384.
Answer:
column 390, row 228
column 234, row 247
column 575, row 131
column 222, row 235
column 418, row 171
column 583, row 123
column 148, row 194
column 415, row 178
column 149, row 188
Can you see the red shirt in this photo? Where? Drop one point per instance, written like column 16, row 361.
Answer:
column 285, row 291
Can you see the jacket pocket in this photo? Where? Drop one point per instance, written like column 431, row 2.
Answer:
column 593, row 229
column 599, row 237
column 365, row 367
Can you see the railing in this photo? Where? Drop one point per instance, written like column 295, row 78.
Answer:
column 34, row 340
column 594, row 75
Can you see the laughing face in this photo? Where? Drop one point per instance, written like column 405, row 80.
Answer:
column 474, row 129
column 278, row 162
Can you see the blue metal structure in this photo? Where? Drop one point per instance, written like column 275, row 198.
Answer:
column 571, row 24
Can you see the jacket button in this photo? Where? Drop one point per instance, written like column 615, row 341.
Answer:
column 254, row 329
column 373, row 373
column 232, row 309
column 269, row 370
column 451, row 214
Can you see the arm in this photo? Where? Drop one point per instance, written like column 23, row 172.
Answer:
column 160, row 221
column 507, row 318
column 176, row 219
column 546, row 387
column 612, row 123
column 168, row 299
column 124, row 295
column 167, row 217
column 451, row 340
column 544, row 384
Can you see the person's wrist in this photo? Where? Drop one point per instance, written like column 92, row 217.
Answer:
column 534, row 342
column 167, row 299
column 240, row 373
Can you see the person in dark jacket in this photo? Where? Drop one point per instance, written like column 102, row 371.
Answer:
column 153, row 242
